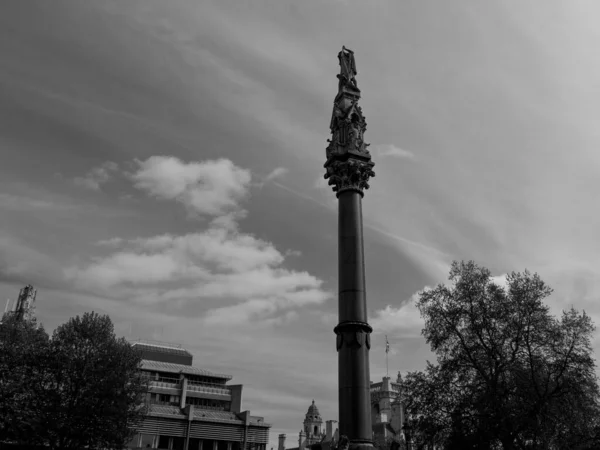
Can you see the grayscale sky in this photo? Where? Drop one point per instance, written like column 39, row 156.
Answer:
column 162, row 162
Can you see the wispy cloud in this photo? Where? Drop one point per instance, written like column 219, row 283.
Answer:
column 26, row 203
column 97, row 176
column 276, row 173
column 392, row 151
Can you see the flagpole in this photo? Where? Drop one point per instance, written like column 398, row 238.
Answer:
column 387, row 350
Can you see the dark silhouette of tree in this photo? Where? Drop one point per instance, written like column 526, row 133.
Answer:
column 388, row 443
column 23, row 351
column 509, row 375
column 84, row 388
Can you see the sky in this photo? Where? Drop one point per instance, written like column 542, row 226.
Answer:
column 162, row 162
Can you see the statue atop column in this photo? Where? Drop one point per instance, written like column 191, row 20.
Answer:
column 348, row 159
column 348, row 70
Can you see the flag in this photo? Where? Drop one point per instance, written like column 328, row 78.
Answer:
column 387, row 345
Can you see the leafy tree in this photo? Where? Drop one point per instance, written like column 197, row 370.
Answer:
column 509, row 375
column 96, row 390
column 80, row 389
column 23, row 350
column 388, row 443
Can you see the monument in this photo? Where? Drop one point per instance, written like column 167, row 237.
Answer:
column 348, row 169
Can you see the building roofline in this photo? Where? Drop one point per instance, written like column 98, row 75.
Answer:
column 161, row 366
column 156, row 343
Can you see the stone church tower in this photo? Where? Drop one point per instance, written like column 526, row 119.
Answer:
column 387, row 407
column 313, row 428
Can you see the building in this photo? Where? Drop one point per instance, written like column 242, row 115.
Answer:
column 190, row 408
column 312, row 434
column 387, row 410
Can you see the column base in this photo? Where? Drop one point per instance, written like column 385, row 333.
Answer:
column 361, row 446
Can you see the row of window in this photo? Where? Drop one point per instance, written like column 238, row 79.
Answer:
column 192, row 379
column 178, row 443
column 166, row 399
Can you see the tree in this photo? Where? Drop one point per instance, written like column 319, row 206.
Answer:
column 23, row 350
column 508, row 375
column 388, row 443
column 95, row 393
column 80, row 389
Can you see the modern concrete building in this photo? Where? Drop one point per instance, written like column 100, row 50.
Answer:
column 191, row 408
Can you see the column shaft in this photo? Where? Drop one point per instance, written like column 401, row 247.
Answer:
column 353, row 340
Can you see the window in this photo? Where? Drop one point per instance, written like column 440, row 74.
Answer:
column 194, row 444
column 204, row 403
column 147, row 441
column 164, row 378
column 163, row 442
column 178, row 443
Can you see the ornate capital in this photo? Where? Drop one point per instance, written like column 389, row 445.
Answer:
column 349, row 164
column 349, row 174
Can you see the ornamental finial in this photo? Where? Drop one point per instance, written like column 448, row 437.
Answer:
column 349, row 164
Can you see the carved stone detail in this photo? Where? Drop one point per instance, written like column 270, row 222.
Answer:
column 353, row 335
column 349, row 162
column 349, row 174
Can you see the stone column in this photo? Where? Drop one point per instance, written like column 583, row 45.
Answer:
column 348, row 169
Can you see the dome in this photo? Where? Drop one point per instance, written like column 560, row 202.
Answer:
column 313, row 412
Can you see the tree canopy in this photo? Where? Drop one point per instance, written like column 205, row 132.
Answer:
column 82, row 388
column 509, row 375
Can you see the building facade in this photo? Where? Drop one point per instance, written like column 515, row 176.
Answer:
column 312, row 435
column 189, row 408
column 387, row 409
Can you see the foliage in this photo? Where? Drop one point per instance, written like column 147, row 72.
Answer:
column 388, row 443
column 508, row 374
column 89, row 390
column 23, row 349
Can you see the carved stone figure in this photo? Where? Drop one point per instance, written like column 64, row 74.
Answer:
column 347, row 68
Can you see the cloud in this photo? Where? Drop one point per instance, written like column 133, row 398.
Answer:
column 392, row 150
column 211, row 188
column 97, row 176
column 322, row 183
column 405, row 319
column 500, row 280
column 245, row 274
column 28, row 204
column 21, row 262
column 276, row 173
column 112, row 242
